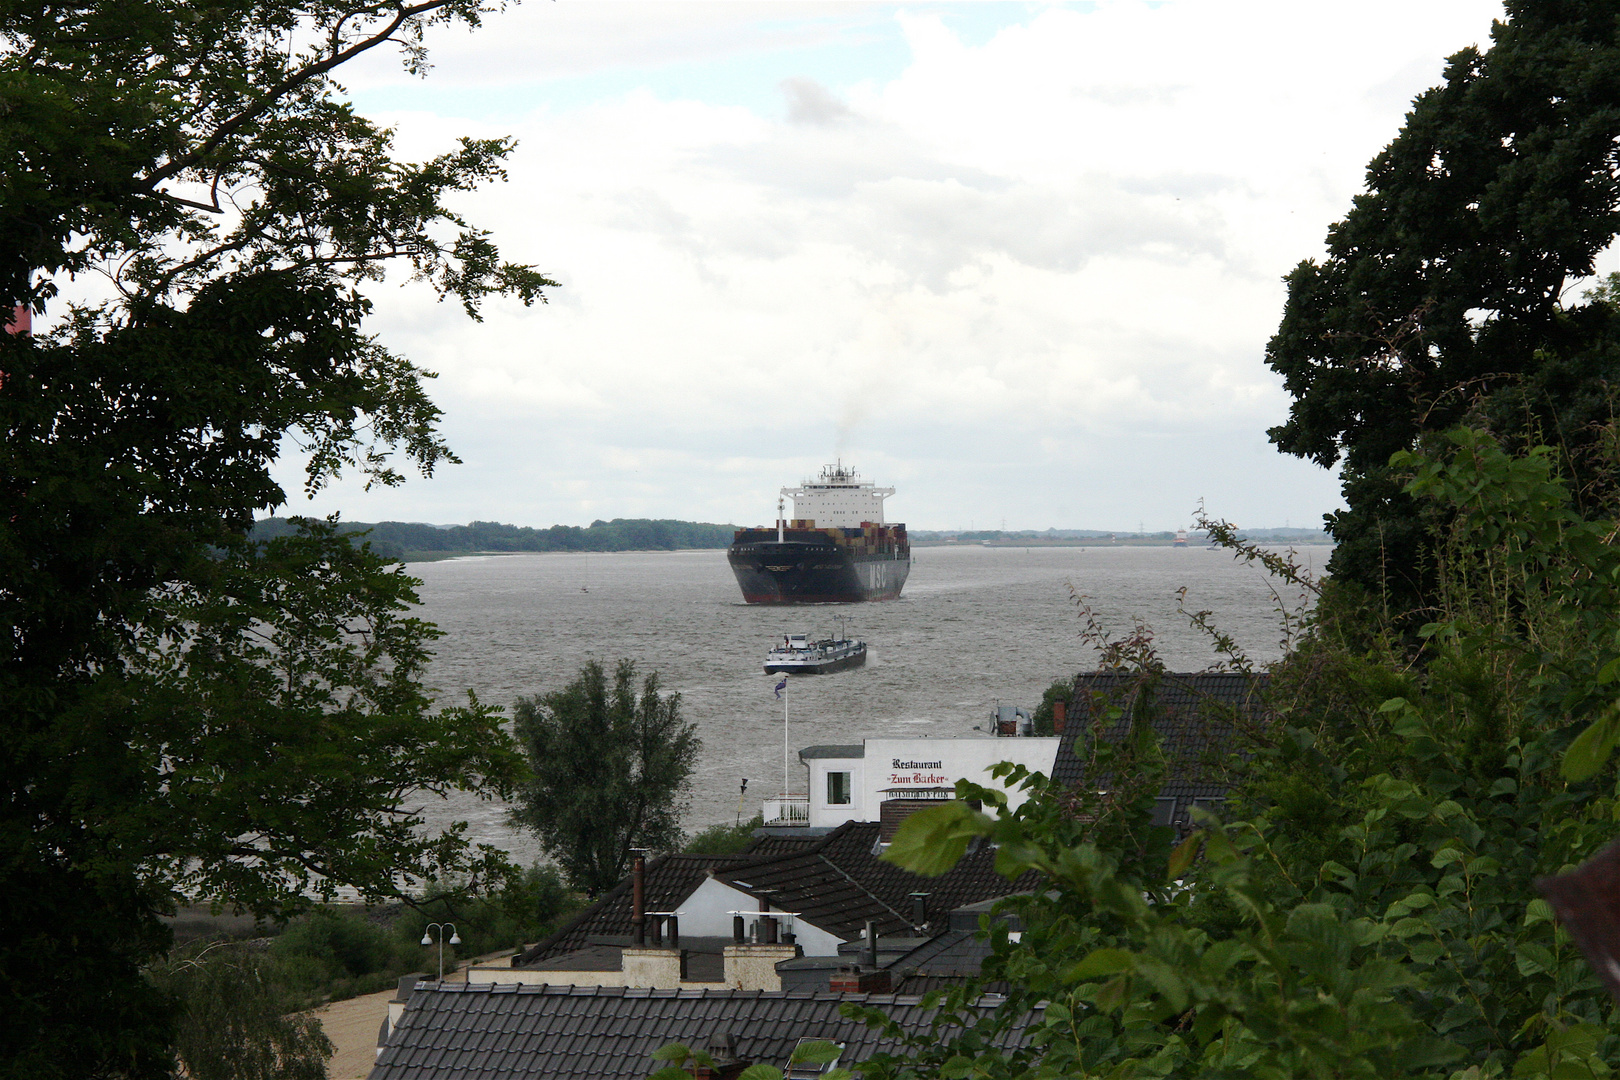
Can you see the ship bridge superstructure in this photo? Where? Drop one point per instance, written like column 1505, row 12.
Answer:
column 837, row 499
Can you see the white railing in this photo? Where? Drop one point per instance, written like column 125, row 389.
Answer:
column 787, row 810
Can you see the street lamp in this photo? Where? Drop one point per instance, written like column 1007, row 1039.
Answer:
column 427, row 939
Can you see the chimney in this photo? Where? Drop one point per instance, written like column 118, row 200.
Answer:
column 850, row 979
column 919, row 909
column 753, row 967
column 722, row 1050
column 1060, row 715
column 767, row 925
column 638, row 899
column 871, row 944
column 21, row 321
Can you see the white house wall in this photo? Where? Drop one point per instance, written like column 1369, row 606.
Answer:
column 707, row 913
column 824, row 814
column 917, row 763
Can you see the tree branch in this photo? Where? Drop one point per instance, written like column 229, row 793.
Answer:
column 285, row 86
column 172, row 197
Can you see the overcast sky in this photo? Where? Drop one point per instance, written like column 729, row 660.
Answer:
column 1019, row 261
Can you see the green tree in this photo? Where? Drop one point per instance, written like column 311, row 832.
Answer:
column 186, row 714
column 529, row 908
column 1045, row 718
column 724, row 839
column 1443, row 290
column 1368, row 905
column 237, row 1021
column 611, row 769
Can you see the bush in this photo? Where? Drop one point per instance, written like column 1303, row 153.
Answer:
column 723, row 839
column 527, row 910
column 334, row 953
column 331, row 954
column 1369, row 906
column 237, row 1018
column 1060, row 690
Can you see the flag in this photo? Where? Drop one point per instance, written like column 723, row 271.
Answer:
column 781, row 686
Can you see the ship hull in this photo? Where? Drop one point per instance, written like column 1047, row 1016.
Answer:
column 810, row 569
column 854, row 658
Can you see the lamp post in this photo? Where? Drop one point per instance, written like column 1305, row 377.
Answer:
column 427, row 939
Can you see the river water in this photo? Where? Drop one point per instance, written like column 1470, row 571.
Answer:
column 975, row 626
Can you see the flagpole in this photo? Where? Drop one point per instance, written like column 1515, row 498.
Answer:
column 784, row 740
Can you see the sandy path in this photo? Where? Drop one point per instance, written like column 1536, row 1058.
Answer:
column 352, row 1026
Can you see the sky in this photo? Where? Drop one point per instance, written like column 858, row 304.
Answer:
column 1018, row 261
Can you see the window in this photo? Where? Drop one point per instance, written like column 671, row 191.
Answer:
column 838, row 789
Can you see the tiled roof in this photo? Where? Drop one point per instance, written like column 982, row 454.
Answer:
column 952, row 957
column 838, row 883
column 1196, row 717
column 783, row 841
column 670, row 880
column 834, row 750
column 834, row 881
column 955, row 952
column 514, row 1032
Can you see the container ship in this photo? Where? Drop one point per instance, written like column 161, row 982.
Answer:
column 836, row 549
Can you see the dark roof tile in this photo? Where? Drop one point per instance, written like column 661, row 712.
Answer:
column 670, row 879
column 1197, row 717
column 835, row 881
column 554, row 1043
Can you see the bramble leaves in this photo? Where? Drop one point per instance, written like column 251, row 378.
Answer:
column 1384, row 926
column 931, row 841
column 1592, row 747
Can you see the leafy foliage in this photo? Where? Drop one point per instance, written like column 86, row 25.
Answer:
column 685, row 1061
column 1385, row 926
column 1060, row 690
column 237, row 1019
column 290, row 677
column 723, row 839
column 1442, row 294
column 610, row 767
column 527, row 909
column 185, row 714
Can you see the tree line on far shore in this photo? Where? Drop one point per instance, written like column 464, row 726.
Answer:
column 397, row 539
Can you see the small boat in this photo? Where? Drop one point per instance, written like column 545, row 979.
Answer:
column 798, row 655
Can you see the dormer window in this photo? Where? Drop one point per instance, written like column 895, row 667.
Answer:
column 838, row 789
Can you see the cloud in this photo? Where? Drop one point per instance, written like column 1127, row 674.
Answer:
column 811, row 103
column 1046, row 260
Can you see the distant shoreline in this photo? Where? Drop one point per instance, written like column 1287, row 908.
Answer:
column 1108, row 543
column 419, row 542
column 1104, row 542
column 441, row 556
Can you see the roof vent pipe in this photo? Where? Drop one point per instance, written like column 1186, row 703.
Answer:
column 638, row 898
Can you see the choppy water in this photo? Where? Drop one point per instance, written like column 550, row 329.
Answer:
column 975, row 626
